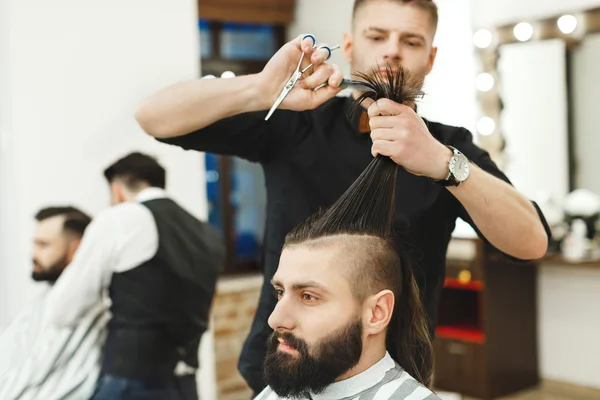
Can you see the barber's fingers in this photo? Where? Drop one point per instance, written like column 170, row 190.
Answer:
column 388, row 134
column 387, row 107
column 307, row 42
column 327, row 73
column 384, row 121
column 321, row 54
column 318, row 97
column 335, row 79
column 383, row 147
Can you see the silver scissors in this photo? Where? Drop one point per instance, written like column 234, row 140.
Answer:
column 292, row 81
column 347, row 84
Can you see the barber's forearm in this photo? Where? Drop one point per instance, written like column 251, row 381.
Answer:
column 505, row 217
column 189, row 106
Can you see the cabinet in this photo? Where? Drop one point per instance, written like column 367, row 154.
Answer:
column 486, row 337
column 279, row 12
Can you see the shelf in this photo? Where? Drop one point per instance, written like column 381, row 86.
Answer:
column 461, row 333
column 454, row 283
column 560, row 260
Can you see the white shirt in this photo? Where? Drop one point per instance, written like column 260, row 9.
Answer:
column 118, row 239
column 382, row 381
column 40, row 362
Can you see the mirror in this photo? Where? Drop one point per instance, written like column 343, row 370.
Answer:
column 585, row 88
column 535, row 127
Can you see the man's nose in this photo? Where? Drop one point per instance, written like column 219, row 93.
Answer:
column 281, row 319
column 392, row 51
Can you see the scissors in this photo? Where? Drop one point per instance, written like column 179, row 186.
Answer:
column 347, row 84
column 292, row 81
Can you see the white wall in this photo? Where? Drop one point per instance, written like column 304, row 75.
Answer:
column 76, row 72
column 567, row 320
column 450, row 86
column 327, row 20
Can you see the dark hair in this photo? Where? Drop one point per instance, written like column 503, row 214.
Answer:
column 426, row 5
column 366, row 212
column 136, row 169
column 76, row 221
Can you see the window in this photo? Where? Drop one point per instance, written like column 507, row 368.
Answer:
column 235, row 187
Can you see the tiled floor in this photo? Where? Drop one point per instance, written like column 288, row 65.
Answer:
column 547, row 391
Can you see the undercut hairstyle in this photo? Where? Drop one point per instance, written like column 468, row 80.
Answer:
column 136, row 170
column 360, row 224
column 426, row 5
column 76, row 221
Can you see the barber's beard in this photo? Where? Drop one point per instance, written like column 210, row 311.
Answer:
column 50, row 273
column 311, row 371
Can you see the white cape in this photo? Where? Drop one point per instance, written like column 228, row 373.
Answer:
column 39, row 362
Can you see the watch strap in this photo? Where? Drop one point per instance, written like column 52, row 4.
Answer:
column 450, row 179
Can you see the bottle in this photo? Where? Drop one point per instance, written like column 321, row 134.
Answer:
column 575, row 245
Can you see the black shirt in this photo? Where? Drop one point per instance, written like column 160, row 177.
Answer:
column 309, row 159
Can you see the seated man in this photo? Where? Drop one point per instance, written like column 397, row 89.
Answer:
column 349, row 323
column 36, row 360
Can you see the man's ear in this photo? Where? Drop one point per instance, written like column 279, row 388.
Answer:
column 347, row 46
column 116, row 191
column 73, row 246
column 432, row 56
column 378, row 312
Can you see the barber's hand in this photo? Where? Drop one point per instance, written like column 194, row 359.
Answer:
column 283, row 64
column 399, row 133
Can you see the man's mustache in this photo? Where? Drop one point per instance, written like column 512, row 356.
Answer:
column 291, row 341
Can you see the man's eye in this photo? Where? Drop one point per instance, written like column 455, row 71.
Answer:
column 308, row 297
column 376, row 38
column 278, row 293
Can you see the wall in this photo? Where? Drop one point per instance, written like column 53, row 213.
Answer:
column 567, row 329
column 568, row 324
column 450, row 86
column 76, row 72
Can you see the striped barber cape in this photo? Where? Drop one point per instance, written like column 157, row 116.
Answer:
column 385, row 380
column 45, row 363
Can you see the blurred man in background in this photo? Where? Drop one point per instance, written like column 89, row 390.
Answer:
column 159, row 265
column 38, row 361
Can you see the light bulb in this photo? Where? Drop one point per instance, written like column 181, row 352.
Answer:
column 523, row 31
column 484, row 82
column 486, row 126
column 208, row 77
column 482, row 38
column 227, row 74
column 567, row 24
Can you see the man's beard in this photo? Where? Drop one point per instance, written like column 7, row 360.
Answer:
column 51, row 273
column 298, row 375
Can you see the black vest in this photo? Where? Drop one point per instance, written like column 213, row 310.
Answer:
column 161, row 308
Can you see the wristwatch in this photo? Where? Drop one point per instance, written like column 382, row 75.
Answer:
column 458, row 169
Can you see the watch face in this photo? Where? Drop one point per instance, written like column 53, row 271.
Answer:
column 459, row 166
